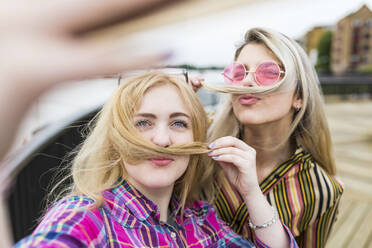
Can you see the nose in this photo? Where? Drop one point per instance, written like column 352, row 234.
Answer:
column 161, row 136
column 249, row 80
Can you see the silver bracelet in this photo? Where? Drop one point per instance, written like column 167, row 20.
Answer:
column 267, row 224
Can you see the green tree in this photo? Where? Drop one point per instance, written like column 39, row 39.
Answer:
column 324, row 52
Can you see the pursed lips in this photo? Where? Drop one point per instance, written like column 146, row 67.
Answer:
column 248, row 99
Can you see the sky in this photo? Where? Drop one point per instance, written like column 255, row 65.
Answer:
column 211, row 39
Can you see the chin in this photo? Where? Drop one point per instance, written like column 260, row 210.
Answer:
column 158, row 183
column 148, row 176
column 249, row 119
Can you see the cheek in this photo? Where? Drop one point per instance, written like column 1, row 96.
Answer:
column 276, row 108
column 130, row 169
column 183, row 163
column 183, row 137
column 279, row 103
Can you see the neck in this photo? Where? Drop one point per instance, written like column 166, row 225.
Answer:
column 160, row 196
column 271, row 144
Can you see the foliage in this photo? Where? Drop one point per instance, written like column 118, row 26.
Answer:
column 366, row 69
column 324, row 52
column 200, row 68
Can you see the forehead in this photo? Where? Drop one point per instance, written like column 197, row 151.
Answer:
column 163, row 99
column 253, row 54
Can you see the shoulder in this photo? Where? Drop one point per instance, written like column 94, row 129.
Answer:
column 74, row 220
column 314, row 181
column 71, row 211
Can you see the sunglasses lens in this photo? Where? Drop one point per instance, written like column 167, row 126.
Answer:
column 234, row 73
column 267, row 73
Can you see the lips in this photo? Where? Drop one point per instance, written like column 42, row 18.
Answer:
column 161, row 161
column 248, row 100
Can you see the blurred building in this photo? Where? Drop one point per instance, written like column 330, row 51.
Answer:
column 351, row 43
column 311, row 41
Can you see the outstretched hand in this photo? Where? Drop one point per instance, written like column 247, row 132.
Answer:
column 42, row 44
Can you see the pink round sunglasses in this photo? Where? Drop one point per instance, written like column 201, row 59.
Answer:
column 266, row 73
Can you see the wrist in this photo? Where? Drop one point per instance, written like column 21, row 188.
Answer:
column 252, row 192
column 266, row 224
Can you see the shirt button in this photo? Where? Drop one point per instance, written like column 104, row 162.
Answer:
column 173, row 235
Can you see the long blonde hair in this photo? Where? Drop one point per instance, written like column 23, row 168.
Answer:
column 309, row 127
column 98, row 164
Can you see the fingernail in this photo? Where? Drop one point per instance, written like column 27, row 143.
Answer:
column 215, row 157
column 211, row 145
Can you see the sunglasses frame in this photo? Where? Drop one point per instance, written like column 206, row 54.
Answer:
column 246, row 72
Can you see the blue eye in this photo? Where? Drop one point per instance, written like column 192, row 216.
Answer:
column 142, row 123
column 180, row 124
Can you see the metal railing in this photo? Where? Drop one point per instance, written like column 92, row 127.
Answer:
column 346, row 85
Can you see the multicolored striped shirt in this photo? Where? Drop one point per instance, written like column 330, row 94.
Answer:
column 305, row 196
column 129, row 219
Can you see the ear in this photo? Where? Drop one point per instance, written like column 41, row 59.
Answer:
column 297, row 103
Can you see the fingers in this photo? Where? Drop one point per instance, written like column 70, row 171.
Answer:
column 227, row 150
column 74, row 16
column 233, row 155
column 195, row 82
column 230, row 159
column 115, row 65
column 229, row 141
column 90, row 62
column 86, row 15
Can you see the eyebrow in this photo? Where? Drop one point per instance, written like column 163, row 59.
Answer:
column 177, row 114
column 173, row 115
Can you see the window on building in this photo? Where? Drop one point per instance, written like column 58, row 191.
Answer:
column 356, row 36
column 354, row 58
column 356, row 23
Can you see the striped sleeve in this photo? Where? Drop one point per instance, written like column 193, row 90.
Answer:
column 305, row 196
column 69, row 223
column 307, row 200
column 324, row 197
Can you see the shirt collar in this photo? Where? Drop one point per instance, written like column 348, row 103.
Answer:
column 126, row 197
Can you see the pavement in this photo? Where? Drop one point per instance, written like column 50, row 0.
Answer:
column 351, row 129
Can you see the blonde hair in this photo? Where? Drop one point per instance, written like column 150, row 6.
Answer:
column 98, row 165
column 309, row 127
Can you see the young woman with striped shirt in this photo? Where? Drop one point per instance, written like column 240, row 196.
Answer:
column 272, row 153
